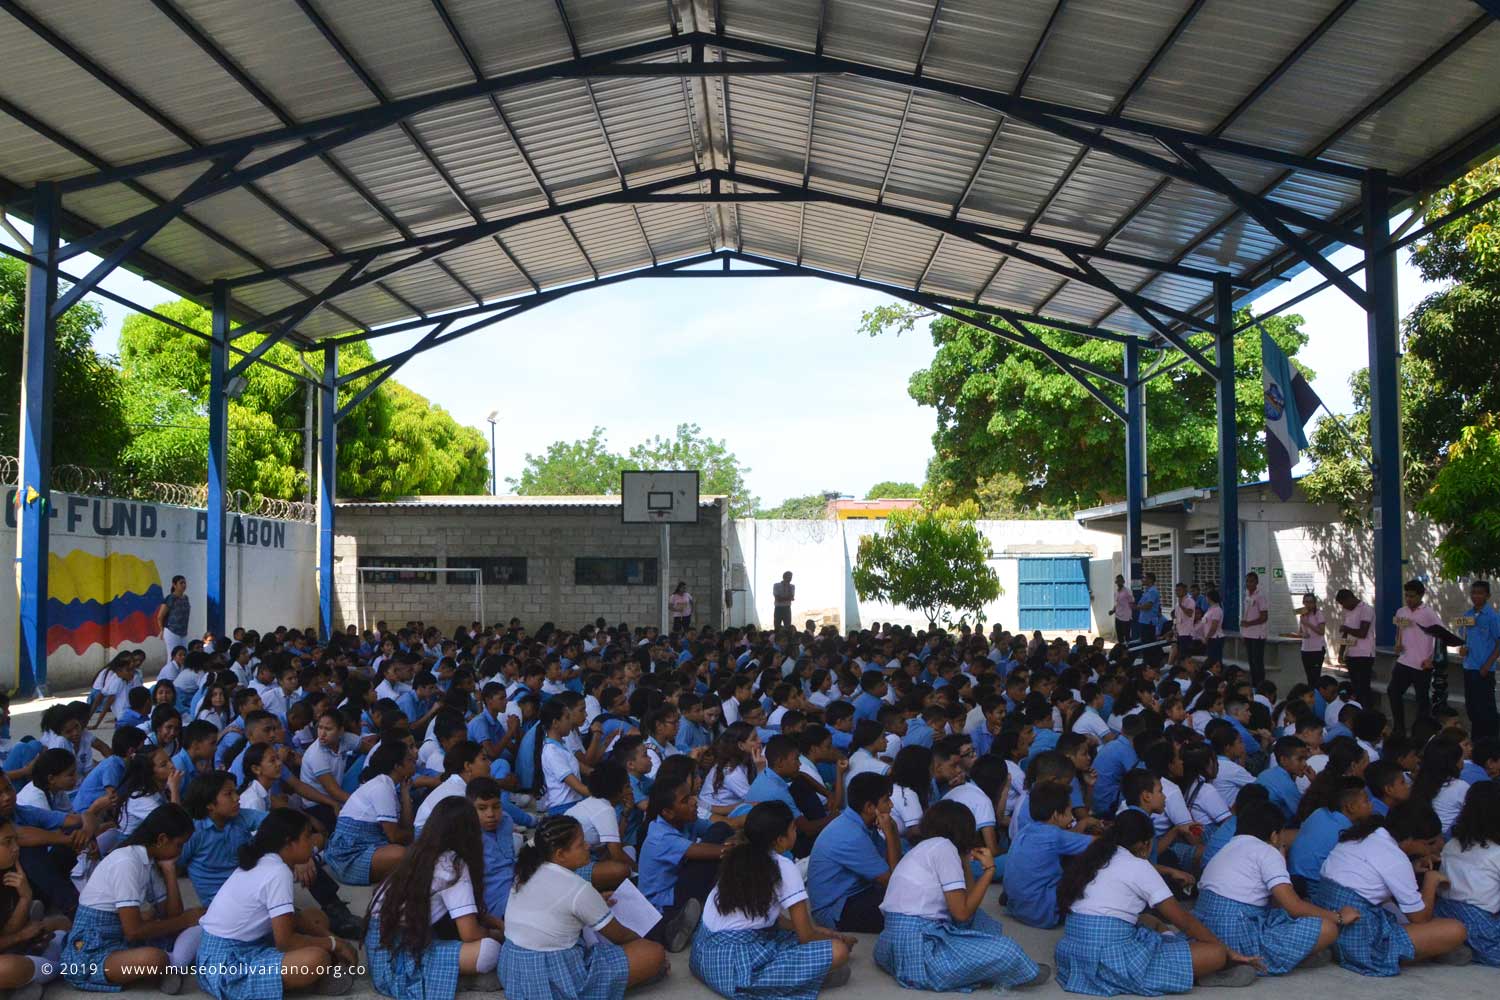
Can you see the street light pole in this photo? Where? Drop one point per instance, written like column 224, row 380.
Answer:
column 494, row 470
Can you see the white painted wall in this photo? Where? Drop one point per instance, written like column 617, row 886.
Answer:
column 121, row 548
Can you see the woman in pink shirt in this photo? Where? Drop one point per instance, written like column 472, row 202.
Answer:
column 1211, row 629
column 1124, row 610
column 1414, row 649
column 1311, row 626
column 1253, row 628
column 1358, row 629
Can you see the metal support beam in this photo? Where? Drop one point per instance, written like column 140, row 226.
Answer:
column 328, row 405
column 1135, row 464
column 1382, row 325
column 215, row 564
column 1229, row 461
column 34, row 488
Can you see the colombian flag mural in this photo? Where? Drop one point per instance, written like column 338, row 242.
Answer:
column 100, row 600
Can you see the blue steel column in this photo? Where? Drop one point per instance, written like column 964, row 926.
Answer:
column 1385, row 403
column 327, row 483
column 36, row 441
column 1229, row 461
column 218, row 455
column 1135, row 463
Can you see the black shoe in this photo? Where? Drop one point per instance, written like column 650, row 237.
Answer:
column 342, row 922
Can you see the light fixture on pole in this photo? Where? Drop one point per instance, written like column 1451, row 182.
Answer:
column 493, row 418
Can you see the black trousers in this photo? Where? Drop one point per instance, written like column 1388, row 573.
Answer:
column 781, row 617
column 862, row 913
column 1361, row 672
column 1419, row 682
column 1312, row 667
column 1122, row 631
column 695, row 880
column 1479, row 702
column 1255, row 652
column 47, row 869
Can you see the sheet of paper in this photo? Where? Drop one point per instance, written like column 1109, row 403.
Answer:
column 634, row 910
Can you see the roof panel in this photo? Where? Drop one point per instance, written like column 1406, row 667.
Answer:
column 1016, row 177
column 771, row 230
column 857, row 124
column 1099, row 47
column 556, row 126
column 506, row 37
column 611, row 237
column 986, row 44
column 473, row 146
column 677, row 230
column 547, row 253
column 880, row 32
column 960, row 269
column 769, row 119
column 402, row 45
column 774, row 21
column 648, row 127
column 599, row 25
column 942, row 142
column 898, row 251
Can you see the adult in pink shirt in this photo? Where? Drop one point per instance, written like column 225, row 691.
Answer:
column 1414, row 649
column 1359, row 655
column 1253, row 627
column 1211, row 629
column 1124, row 610
column 1311, row 626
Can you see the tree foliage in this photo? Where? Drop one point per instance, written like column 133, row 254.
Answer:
column 889, row 490
column 812, row 507
column 1005, row 411
column 720, row 472
column 572, row 468
column 89, row 421
column 933, row 561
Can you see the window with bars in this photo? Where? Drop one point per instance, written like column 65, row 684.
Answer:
column 495, row 571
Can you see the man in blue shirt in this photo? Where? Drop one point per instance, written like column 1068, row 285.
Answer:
column 851, row 863
column 1481, row 647
column 1148, row 610
column 1033, row 866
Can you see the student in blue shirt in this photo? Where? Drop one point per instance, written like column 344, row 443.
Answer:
column 1148, row 610
column 691, row 731
column 1320, row 832
column 1387, row 786
column 492, row 728
column 1483, row 763
column 872, row 692
column 839, row 718
column 1039, row 714
column 497, row 832
column 1280, row 779
column 677, row 870
column 107, row 774
column 196, row 753
column 1033, row 865
column 773, row 784
column 1480, row 652
column 1116, row 759
column 853, row 858
column 921, row 731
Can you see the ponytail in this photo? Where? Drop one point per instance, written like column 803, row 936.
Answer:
column 279, row 828
column 552, row 710
column 749, row 875
column 552, row 834
column 390, row 755
column 1323, row 793
column 170, row 820
column 1132, row 828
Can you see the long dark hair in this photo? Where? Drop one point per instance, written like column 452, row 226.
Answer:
column 253, row 757
column 279, row 828
column 140, row 775
column 726, row 753
column 913, row 770
column 1442, row 760
column 390, row 755
column 1198, row 760
column 749, row 876
column 1131, row 829
column 953, row 822
column 552, row 710
column 1478, row 822
column 552, row 834
column 405, row 897
column 1343, row 753
column 169, row 820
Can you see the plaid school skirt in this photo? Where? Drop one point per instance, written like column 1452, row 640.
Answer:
column 743, row 965
column 576, row 973
column 96, row 934
column 1484, row 928
column 239, row 970
column 1268, row 931
column 1104, row 957
column 923, row 954
column 1376, row 943
column 431, row 976
column 351, row 847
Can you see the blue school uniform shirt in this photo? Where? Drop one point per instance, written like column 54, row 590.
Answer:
column 846, row 859
column 983, row 741
column 768, row 786
column 661, row 855
column 1252, row 744
column 1046, row 739
column 485, row 728
column 499, row 865
column 690, row 736
column 919, row 734
column 1283, row 788
column 1379, row 808
column 1482, row 637
column 1033, row 867
column 1151, row 615
column 211, row 854
column 1471, row 773
column 1316, row 840
column 43, row 819
column 183, row 761
column 841, row 740
column 1116, row 758
column 866, row 705
column 526, row 758
column 1223, row 834
column 23, row 753
column 106, row 774
column 1336, row 730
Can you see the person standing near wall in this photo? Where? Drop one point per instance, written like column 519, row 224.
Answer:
column 1358, row 629
column 1414, row 652
column 783, row 593
column 1124, row 611
column 1480, row 650
column 1253, row 627
column 172, row 616
column 680, row 604
column 1148, row 610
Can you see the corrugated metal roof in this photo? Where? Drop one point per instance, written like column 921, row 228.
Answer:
column 445, row 502
column 1390, row 84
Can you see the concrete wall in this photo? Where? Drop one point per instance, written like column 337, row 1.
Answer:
column 821, row 556
column 112, row 560
column 549, row 538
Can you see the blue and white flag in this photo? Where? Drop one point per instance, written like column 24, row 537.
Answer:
column 1289, row 402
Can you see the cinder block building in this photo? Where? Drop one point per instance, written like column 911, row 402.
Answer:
column 566, row 560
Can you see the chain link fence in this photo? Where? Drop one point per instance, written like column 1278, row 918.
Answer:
column 126, row 486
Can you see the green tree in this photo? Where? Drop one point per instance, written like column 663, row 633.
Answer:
column 1462, row 498
column 720, row 472
column 1005, row 410
column 395, row 443
column 572, row 468
column 933, row 561
column 892, row 490
column 89, row 422
column 812, row 507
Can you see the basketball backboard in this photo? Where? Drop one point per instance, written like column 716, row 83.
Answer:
column 659, row 497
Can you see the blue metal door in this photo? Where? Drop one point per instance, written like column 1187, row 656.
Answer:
column 1054, row 594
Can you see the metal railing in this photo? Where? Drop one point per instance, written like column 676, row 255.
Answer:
column 125, row 485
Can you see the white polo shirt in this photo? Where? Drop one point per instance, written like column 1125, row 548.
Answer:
column 600, row 822
column 126, row 877
column 1377, row 869
column 920, row 879
column 242, row 910
column 375, row 801
column 1246, row 870
column 452, row 893
column 1122, row 889
column 549, row 910
column 789, row 892
column 451, row 786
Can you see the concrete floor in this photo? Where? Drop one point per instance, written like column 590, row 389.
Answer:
column 1473, row 982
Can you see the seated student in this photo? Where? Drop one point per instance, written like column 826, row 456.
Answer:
column 872, row 691
column 1437, row 783
column 54, row 775
column 461, row 764
column 912, row 788
column 868, row 743
column 1254, row 796
column 853, row 856
column 429, row 896
column 1388, row 786
column 195, row 754
column 1230, row 751
column 774, row 784
column 559, row 774
column 692, row 733
column 1038, row 713
column 104, row 780
column 818, row 787
column 1471, row 860
column 1246, row 898
column 1280, row 779
column 326, row 760
column 150, row 781
column 839, row 718
column 1368, row 870
column 1105, row 952
column 599, row 815
column 255, row 943
column 30, row 949
column 677, row 869
column 1033, row 865
column 544, row 957
column 113, row 943
column 739, row 950
column 1116, row 759
column 731, row 770
column 1200, row 768
column 660, row 728
column 984, row 796
column 1048, row 769
column 496, row 833
column 936, row 936
column 374, row 826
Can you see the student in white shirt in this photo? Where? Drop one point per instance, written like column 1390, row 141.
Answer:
column 735, row 764
column 912, row 788
column 150, row 781
column 324, row 763
column 937, row 936
column 1369, row 871
column 1104, row 950
column 543, row 956
column 558, row 771
column 1200, row 771
column 758, row 935
column 1437, row 782
column 253, row 933
column 1246, row 898
column 599, row 815
column 54, row 775
column 461, row 765
column 1230, row 748
column 409, row 957
column 113, row 943
column 374, row 825
column 1471, row 860
column 262, row 771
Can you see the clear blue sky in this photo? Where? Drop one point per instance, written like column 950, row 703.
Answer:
column 776, row 367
